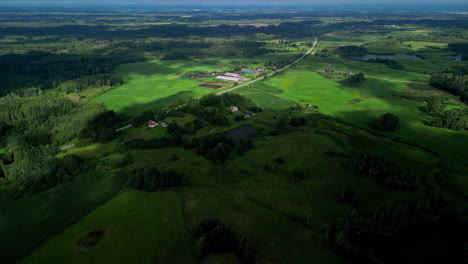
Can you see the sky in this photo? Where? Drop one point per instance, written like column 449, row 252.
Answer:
column 228, row 2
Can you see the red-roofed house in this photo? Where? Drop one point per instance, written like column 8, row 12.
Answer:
column 151, row 123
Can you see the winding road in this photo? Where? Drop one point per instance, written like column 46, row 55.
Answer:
column 277, row 71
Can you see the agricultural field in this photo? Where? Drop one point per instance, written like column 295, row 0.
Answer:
column 164, row 233
column 364, row 103
column 334, row 160
column 49, row 213
column 154, row 84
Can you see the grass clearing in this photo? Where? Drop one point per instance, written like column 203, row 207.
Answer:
column 139, row 227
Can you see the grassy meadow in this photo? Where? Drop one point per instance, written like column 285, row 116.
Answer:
column 364, row 103
column 28, row 222
column 154, row 84
column 139, row 227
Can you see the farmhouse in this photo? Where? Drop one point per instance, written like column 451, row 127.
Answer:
column 234, row 109
column 231, row 74
column 151, row 123
column 228, row 78
column 260, row 70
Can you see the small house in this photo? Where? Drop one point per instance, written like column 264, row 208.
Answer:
column 152, row 123
column 234, row 109
column 260, row 70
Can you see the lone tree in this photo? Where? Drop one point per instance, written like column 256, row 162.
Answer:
column 387, row 122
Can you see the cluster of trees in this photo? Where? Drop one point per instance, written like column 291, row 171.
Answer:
column 155, row 143
column 356, row 78
column 115, row 161
column 214, row 147
column 388, row 217
column 345, row 51
column 387, row 122
column 153, row 179
column 284, row 124
column 452, row 82
column 349, row 195
column 35, row 128
column 459, row 48
column 91, row 81
column 392, row 174
column 393, row 64
column 272, row 165
column 33, row 175
column 456, row 119
column 212, row 236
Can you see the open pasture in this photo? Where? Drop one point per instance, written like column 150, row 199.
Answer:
column 365, row 103
column 154, row 84
column 26, row 223
column 138, row 227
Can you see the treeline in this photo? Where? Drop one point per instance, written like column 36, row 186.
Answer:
column 390, row 173
column 345, row 51
column 459, row 48
column 212, row 236
column 92, row 81
column 155, row 179
column 392, row 64
column 286, row 29
column 230, row 49
column 452, row 82
column 42, row 71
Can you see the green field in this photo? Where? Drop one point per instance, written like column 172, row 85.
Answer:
column 139, row 228
column 372, row 98
column 154, row 84
column 26, row 223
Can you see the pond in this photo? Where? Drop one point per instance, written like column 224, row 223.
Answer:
column 439, row 241
column 238, row 133
column 455, row 58
column 378, row 56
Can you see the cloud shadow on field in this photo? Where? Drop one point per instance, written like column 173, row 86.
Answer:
column 135, row 109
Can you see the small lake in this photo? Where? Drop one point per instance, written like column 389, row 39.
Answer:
column 378, row 56
column 238, row 133
column 455, row 58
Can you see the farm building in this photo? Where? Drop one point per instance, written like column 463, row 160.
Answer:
column 248, row 72
column 260, row 70
column 151, row 123
column 234, row 109
column 231, row 74
column 228, row 78
column 313, row 106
